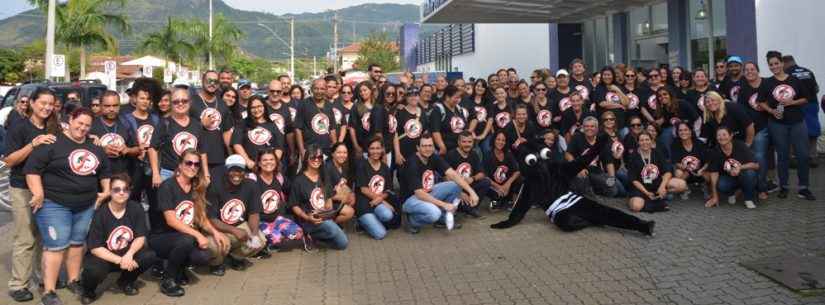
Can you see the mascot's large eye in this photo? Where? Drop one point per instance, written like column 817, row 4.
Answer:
column 545, row 153
column 531, row 159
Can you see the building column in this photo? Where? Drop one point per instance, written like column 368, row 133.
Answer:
column 620, row 37
column 554, row 46
column 740, row 18
column 677, row 27
column 409, row 46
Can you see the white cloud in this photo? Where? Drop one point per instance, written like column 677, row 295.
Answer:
column 280, row 7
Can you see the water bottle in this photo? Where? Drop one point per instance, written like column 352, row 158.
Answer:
column 780, row 109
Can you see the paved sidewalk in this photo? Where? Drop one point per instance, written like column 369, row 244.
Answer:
column 694, row 259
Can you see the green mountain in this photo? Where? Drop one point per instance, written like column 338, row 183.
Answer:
column 313, row 31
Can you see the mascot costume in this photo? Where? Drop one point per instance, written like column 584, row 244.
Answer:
column 547, row 184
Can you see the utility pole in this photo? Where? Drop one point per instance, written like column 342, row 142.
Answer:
column 50, row 38
column 335, row 42
column 314, row 66
column 211, row 66
column 292, row 48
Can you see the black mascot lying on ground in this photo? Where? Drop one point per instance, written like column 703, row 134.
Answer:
column 547, row 184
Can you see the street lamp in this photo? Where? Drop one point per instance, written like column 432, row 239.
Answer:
column 290, row 44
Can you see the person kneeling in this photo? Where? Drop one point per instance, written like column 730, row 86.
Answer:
column 276, row 224
column 374, row 201
column 732, row 167
column 651, row 177
column 117, row 242
column 234, row 210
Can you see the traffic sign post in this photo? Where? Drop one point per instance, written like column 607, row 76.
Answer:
column 110, row 68
column 58, row 65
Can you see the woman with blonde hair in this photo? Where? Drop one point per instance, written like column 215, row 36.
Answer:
column 719, row 112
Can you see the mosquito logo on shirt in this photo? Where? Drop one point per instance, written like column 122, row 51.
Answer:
column 427, row 180
column 270, row 201
column 338, row 115
column 481, row 113
column 701, row 103
column 753, row 103
column 412, row 128
column 112, row 139
column 564, row 103
column 392, row 123
column 232, row 211
column 320, row 123
column 279, row 121
column 144, row 133
column 783, row 92
column 183, row 141
column 292, row 113
column 595, row 161
column 652, row 102
column 649, row 173
column 120, row 238
column 730, row 164
column 544, row 118
column 612, row 97
column 259, row 136
column 457, row 124
column 633, row 102
column 617, row 148
column 464, row 169
column 83, row 162
column 690, row 163
column 734, row 92
column 585, row 93
column 316, row 199
column 675, row 121
column 365, row 121
column 500, row 174
column 502, row 119
column 213, row 114
column 185, row 212
column 377, row 184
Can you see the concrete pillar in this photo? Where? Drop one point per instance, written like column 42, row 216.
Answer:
column 620, row 37
column 554, row 46
column 740, row 18
column 409, row 46
column 677, row 27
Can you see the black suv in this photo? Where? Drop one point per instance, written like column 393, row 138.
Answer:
column 88, row 89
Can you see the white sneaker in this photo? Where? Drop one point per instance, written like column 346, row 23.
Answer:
column 749, row 204
column 732, row 199
column 686, row 195
column 449, row 220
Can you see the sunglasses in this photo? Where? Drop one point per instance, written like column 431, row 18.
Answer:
column 390, row 94
column 541, row 89
column 635, row 125
column 377, row 71
column 120, row 190
column 194, row 164
column 720, row 66
column 316, row 158
column 609, row 119
column 180, row 102
column 211, row 81
column 275, row 91
column 630, row 75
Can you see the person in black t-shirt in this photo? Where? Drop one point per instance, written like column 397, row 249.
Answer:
column 174, row 135
column 718, row 113
column 593, row 179
column 424, row 197
column 208, row 107
column 117, row 140
column 749, row 99
column 784, row 97
column 521, row 129
column 376, row 203
column 365, row 117
column 448, row 120
column 18, row 113
column 68, row 179
column 504, row 174
column 652, row 178
column 410, row 127
column 234, row 209
column 341, row 109
column 257, row 133
column 315, row 121
column 669, row 112
column 732, row 167
column 116, row 242
column 571, row 119
column 276, row 223
column 338, row 173
column 608, row 97
column 689, row 159
column 468, row 164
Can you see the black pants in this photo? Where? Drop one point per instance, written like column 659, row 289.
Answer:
column 96, row 269
column 179, row 250
column 587, row 213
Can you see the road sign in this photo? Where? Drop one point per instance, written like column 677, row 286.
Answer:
column 147, row 71
column 58, row 65
column 110, row 67
column 167, row 75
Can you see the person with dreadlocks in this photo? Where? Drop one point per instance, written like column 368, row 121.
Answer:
column 547, row 183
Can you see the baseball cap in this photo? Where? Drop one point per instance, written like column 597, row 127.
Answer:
column 735, row 59
column 180, row 83
column 244, row 83
column 562, row 72
column 234, row 161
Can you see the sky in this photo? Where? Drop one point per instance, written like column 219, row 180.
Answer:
column 279, row 7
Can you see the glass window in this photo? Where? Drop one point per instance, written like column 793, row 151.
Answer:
column 658, row 16
column 639, row 25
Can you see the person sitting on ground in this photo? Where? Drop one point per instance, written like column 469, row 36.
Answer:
column 689, row 158
column 732, row 168
column 652, row 179
column 467, row 163
column 337, row 171
column 504, row 174
column 376, row 204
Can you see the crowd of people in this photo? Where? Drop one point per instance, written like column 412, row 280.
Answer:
column 182, row 177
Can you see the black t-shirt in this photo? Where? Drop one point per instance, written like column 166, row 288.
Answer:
column 649, row 172
column 20, row 135
column 530, row 133
column 735, row 118
column 171, row 139
column 730, row 89
column 686, row 112
column 171, row 197
column 692, row 159
column 378, row 181
column 791, row 88
column 723, row 163
column 631, row 144
column 579, row 146
column 333, row 177
column 465, row 166
column 696, row 99
column 70, row 171
column 316, row 123
column 585, row 87
column 116, row 234
column 232, row 204
column 501, row 116
column 478, row 112
column 116, row 134
column 420, row 175
column 602, row 94
column 501, row 170
column 341, row 113
column 14, row 119
column 272, row 199
column 222, row 121
column 308, row 195
column 450, row 123
column 542, row 116
column 749, row 99
column 637, row 98
column 410, row 128
column 366, row 121
column 570, row 123
column 257, row 138
column 281, row 117
column 143, row 130
column 389, row 127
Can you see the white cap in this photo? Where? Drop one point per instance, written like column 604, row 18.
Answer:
column 562, row 72
column 235, row 161
column 180, row 83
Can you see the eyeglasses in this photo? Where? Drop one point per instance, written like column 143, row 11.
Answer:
column 120, row 190
column 180, row 102
column 541, row 89
column 275, row 91
column 630, row 75
column 636, row 125
column 193, row 164
column 316, row 158
column 390, row 94
column 609, row 119
column 377, row 71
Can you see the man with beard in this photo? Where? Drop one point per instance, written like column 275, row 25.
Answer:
column 117, row 140
column 375, row 72
column 468, row 165
column 729, row 88
column 315, row 121
column 215, row 118
column 225, row 79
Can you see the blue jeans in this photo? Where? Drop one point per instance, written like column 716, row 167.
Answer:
column 328, row 231
column 761, row 141
column 665, row 140
column 784, row 136
column 374, row 222
column 746, row 181
column 60, row 227
column 422, row 212
column 812, row 119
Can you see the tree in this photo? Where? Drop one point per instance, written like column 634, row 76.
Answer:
column 12, row 66
column 378, row 49
column 224, row 43
column 169, row 41
column 82, row 23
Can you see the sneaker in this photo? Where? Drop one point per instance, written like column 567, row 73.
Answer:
column 685, row 195
column 218, row 270
column 309, row 244
column 806, row 194
column 128, row 288
column 75, row 287
column 238, row 264
column 50, row 298
column 408, row 225
column 21, row 295
column 442, row 225
column 170, row 288
column 264, row 253
column 732, row 199
column 749, row 204
column 773, row 187
column 470, row 211
column 493, row 204
column 783, row 193
column 88, row 297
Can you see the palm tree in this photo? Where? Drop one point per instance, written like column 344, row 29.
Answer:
column 225, row 37
column 169, row 42
column 82, row 23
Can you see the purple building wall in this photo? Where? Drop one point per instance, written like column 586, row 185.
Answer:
column 409, row 45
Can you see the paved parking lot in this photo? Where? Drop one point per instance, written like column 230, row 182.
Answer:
column 694, row 259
